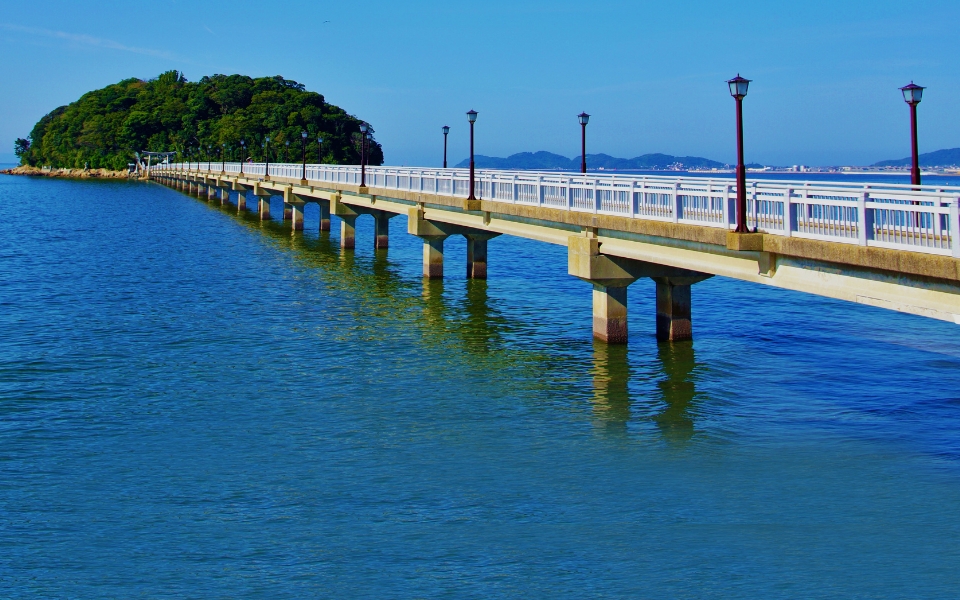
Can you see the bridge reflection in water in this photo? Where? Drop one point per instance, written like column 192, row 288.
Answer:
column 475, row 327
column 674, row 368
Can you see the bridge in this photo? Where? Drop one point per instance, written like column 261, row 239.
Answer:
column 884, row 245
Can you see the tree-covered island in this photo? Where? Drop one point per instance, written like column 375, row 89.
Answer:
column 198, row 120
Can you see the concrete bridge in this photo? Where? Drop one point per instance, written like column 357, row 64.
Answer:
column 890, row 246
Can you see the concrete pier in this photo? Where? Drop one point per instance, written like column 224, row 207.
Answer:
column 263, row 207
column 241, row 202
column 381, row 229
column 477, row 254
column 287, row 211
column 348, row 232
column 610, row 313
column 224, row 196
column 324, row 215
column 610, row 277
column 433, row 257
column 296, row 214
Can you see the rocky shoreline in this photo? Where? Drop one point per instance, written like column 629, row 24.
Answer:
column 70, row 173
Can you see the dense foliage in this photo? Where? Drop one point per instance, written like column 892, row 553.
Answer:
column 104, row 128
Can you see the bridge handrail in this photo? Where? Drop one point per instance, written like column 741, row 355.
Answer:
column 901, row 216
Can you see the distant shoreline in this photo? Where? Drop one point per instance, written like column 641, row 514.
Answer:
column 69, row 173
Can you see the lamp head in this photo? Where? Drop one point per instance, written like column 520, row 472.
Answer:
column 364, row 127
column 912, row 94
column 446, row 129
column 738, row 87
column 319, row 139
column 472, row 116
column 584, row 118
column 303, row 134
column 267, row 139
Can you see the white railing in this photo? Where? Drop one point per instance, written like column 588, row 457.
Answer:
column 904, row 217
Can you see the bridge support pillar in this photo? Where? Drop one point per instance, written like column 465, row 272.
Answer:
column 433, row 257
column 241, row 202
column 381, row 233
column 673, row 311
column 296, row 213
column 477, row 254
column 324, row 215
column 348, row 232
column 224, row 196
column 610, row 276
column 287, row 211
column 610, row 313
column 263, row 207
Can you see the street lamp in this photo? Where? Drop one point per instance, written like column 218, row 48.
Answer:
column 243, row 154
column 738, row 89
column 912, row 94
column 266, row 158
column 472, row 118
column 303, row 146
column 286, row 151
column 584, row 119
column 319, row 150
column 363, row 148
column 446, row 130
column 223, row 158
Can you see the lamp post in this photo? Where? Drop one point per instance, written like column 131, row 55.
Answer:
column 223, row 158
column 266, row 158
column 472, row 118
column 286, row 151
column 363, row 148
column 738, row 89
column 243, row 154
column 303, row 146
column 912, row 94
column 319, row 150
column 584, row 119
column 446, row 130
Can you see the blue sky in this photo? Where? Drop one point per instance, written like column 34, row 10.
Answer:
column 651, row 73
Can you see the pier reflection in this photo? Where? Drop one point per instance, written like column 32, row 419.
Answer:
column 611, row 385
column 677, row 389
column 671, row 405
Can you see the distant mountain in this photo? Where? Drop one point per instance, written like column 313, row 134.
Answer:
column 547, row 161
column 940, row 158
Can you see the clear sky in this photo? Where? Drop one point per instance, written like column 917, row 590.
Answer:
column 652, row 74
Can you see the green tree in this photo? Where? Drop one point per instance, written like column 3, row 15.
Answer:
column 105, row 127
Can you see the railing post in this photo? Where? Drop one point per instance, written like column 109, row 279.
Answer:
column 864, row 219
column 788, row 213
column 596, row 197
column 955, row 227
column 726, row 206
column 677, row 204
column 569, row 195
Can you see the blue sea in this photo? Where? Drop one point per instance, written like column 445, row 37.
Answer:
column 195, row 404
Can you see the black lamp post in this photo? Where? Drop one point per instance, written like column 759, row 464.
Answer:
column 363, row 148
column 243, row 154
column 446, row 130
column 223, row 158
column 303, row 145
column 584, row 119
column 319, row 150
column 286, row 151
column 266, row 157
column 472, row 118
column 738, row 89
column 912, row 94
